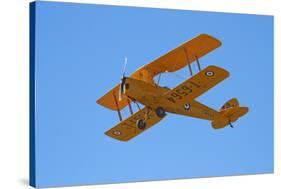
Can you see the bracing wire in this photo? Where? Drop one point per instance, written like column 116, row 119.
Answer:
column 179, row 76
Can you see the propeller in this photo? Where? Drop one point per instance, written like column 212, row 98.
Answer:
column 123, row 79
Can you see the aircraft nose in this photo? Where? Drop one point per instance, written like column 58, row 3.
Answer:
column 123, row 81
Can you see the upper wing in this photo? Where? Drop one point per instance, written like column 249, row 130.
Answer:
column 196, row 85
column 178, row 57
column 170, row 62
column 127, row 129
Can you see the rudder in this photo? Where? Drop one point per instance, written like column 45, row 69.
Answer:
column 230, row 103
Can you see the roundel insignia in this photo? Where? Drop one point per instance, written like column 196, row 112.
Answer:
column 186, row 106
column 209, row 73
column 116, row 132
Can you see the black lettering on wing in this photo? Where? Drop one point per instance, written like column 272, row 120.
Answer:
column 177, row 96
column 187, row 89
column 171, row 99
column 181, row 92
column 195, row 84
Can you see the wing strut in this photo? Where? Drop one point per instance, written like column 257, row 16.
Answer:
column 138, row 106
column 187, row 59
column 158, row 81
column 130, row 107
column 198, row 63
column 117, row 106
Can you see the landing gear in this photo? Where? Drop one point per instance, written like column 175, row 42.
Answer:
column 141, row 124
column 160, row 112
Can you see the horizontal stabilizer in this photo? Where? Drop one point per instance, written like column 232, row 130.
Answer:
column 228, row 116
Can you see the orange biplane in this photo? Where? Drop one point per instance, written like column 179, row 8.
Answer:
column 141, row 88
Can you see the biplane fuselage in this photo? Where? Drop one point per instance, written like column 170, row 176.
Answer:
column 153, row 96
column 157, row 101
column 147, row 94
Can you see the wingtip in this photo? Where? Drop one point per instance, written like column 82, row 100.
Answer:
column 227, row 74
column 116, row 138
column 211, row 37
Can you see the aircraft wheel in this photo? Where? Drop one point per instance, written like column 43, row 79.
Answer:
column 160, row 112
column 141, row 124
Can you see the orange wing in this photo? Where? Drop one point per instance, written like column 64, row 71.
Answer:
column 179, row 57
column 195, row 86
column 112, row 99
column 127, row 129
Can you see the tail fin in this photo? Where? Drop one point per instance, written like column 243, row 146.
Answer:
column 231, row 103
column 229, row 113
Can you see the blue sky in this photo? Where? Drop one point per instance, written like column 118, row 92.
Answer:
column 80, row 49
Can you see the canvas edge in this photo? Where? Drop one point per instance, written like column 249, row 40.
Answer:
column 32, row 164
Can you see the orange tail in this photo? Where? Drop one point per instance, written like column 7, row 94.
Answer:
column 229, row 113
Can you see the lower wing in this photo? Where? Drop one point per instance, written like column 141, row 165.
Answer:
column 129, row 128
column 182, row 97
column 195, row 86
